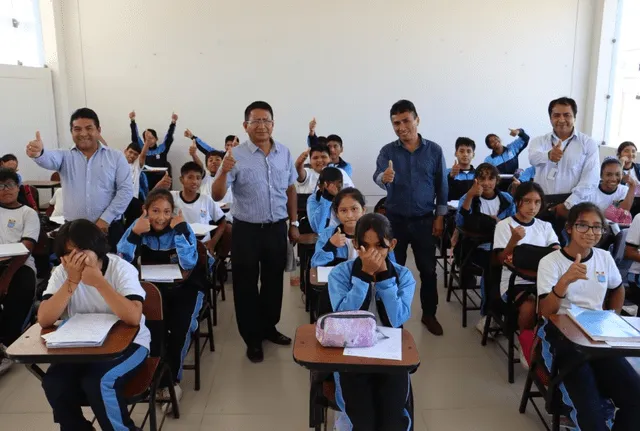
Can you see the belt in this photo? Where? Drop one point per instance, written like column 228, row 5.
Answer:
column 266, row 225
column 394, row 217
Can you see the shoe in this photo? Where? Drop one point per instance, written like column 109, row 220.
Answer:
column 480, row 327
column 168, row 406
column 432, row 325
column 278, row 338
column 5, row 365
column 255, row 354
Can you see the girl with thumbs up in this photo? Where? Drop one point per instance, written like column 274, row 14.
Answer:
column 583, row 275
column 160, row 236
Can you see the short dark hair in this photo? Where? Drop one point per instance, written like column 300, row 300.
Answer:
column 609, row 161
column 487, row 168
column 351, row 192
column 214, row 153
column 134, row 147
column 318, row 148
column 526, row 188
column 566, row 101
column 230, row 138
column 465, row 142
column 329, row 175
column 322, row 140
column 380, row 225
column 489, row 136
column 8, row 158
column 87, row 113
column 581, row 208
column 624, row 145
column 257, row 105
column 156, row 195
column 191, row 167
column 85, row 235
column 7, row 174
column 402, row 106
column 335, row 138
column 152, row 131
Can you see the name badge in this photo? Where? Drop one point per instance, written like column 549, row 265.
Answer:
column 11, row 223
column 553, row 173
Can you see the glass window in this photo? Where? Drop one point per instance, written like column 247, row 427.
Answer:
column 20, row 33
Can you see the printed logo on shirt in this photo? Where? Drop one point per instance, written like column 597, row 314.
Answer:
column 601, row 277
column 158, row 156
column 11, row 223
column 203, row 213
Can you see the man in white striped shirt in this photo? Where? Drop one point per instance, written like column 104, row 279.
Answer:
column 262, row 176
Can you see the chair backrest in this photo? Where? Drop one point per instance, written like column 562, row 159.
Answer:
column 617, row 252
column 55, row 176
column 203, row 257
column 152, row 310
column 302, row 202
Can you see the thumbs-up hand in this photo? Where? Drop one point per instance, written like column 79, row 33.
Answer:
column 514, row 132
column 338, row 239
column 577, row 271
column 174, row 118
column 455, row 170
column 629, row 181
column 476, row 188
column 176, row 220
column 389, row 174
column 188, row 134
column 556, row 152
column 228, row 162
column 132, row 115
column 303, row 157
column 517, row 233
column 165, row 182
column 193, row 149
column 35, row 147
column 312, row 126
column 142, row 225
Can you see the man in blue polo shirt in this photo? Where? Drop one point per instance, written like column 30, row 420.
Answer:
column 412, row 170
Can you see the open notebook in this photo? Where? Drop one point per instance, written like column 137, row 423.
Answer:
column 604, row 325
column 82, row 330
column 15, row 249
column 160, row 273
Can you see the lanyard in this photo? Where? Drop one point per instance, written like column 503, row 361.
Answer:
column 568, row 142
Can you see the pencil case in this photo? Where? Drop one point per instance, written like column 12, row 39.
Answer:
column 347, row 329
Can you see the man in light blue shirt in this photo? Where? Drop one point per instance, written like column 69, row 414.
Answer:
column 96, row 179
column 262, row 176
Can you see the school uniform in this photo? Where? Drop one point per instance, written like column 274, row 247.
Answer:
column 536, row 232
column 527, row 175
column 319, row 211
column 634, row 173
column 205, row 189
column 373, row 401
column 181, row 301
column 584, row 388
column 327, row 254
column 602, row 199
column 58, row 204
column 68, row 386
column 507, row 162
column 310, row 183
column 140, row 191
column 461, row 183
column 345, row 166
column 201, row 210
column 17, row 225
column 157, row 155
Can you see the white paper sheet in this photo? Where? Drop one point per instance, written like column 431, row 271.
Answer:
column 625, row 344
column 82, row 330
column 160, row 273
column 57, row 219
column 201, row 228
column 385, row 348
column 323, row 273
column 453, row 204
column 154, row 169
column 10, row 250
column 506, row 176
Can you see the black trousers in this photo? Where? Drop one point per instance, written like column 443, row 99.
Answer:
column 116, row 230
column 16, row 304
column 376, row 402
column 419, row 233
column 258, row 251
column 101, row 384
column 133, row 211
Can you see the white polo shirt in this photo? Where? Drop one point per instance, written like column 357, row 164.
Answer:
column 202, row 210
column 17, row 224
column 57, row 202
column 633, row 239
column 599, row 197
column 310, row 184
column 121, row 275
column 579, row 167
column 602, row 275
column 135, row 177
column 537, row 232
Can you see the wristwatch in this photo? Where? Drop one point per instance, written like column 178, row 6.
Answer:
column 295, row 223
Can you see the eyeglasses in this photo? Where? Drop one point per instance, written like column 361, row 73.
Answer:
column 260, row 122
column 8, row 186
column 584, row 228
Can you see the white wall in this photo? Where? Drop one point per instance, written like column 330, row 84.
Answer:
column 470, row 67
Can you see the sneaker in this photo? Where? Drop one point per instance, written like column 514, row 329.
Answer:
column 168, row 406
column 480, row 327
column 5, row 364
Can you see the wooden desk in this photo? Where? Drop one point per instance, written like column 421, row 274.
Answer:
column 30, row 348
column 308, row 353
column 313, row 278
column 44, row 185
column 527, row 274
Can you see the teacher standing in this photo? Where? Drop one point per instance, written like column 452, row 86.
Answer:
column 412, row 170
column 262, row 176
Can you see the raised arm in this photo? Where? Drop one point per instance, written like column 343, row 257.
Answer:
column 143, row 154
column 135, row 135
column 219, row 187
column 299, row 165
column 520, row 143
column 539, row 152
column 51, row 159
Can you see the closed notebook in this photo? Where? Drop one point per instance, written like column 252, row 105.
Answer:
column 82, row 330
column 603, row 325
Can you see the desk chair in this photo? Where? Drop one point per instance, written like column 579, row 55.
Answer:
column 306, row 248
column 462, row 268
column 305, row 227
column 444, row 244
column 55, row 176
column 143, row 386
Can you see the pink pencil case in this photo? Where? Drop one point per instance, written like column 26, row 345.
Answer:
column 347, row 329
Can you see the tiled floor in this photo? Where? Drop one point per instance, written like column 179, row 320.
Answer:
column 459, row 386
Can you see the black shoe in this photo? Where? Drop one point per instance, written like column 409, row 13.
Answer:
column 278, row 338
column 255, row 354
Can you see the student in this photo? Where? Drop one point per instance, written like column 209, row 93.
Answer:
column 632, row 253
column 229, row 142
column 199, row 208
column 18, row 223
column 156, row 154
column 319, row 204
column 627, row 152
column 608, row 192
column 334, row 142
column 506, row 158
column 56, row 202
column 335, row 244
column 10, row 161
column 161, row 237
column 90, row 280
column 308, row 177
column 522, row 228
column 461, row 175
column 586, row 276
column 372, row 282
column 136, row 157
column 25, row 196
column 213, row 161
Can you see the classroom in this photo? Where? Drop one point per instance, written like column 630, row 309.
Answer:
column 418, row 215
